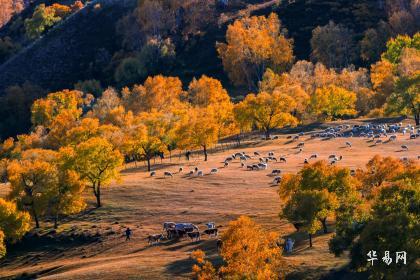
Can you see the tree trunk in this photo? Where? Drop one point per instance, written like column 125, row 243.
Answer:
column 417, row 118
column 56, row 220
column 310, row 240
column 205, row 152
column 267, row 134
column 148, row 164
column 238, row 138
column 324, row 225
column 98, row 195
column 35, row 216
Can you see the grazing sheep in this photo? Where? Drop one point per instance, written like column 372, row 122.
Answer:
column 248, row 156
column 332, row 156
column 249, row 167
column 282, row 159
column 200, row 173
column 392, row 137
column 191, row 173
column 153, row 174
column 300, row 150
column 228, row 159
column 404, row 159
column 348, row 144
column 257, row 154
column 270, row 154
column 214, row 171
column 195, row 169
column 242, row 164
column 296, row 137
column 226, row 164
column 301, row 144
column 180, row 169
column 313, row 156
column 168, row 174
column 404, row 147
column 305, row 161
column 378, row 142
column 277, row 180
column 239, row 154
column 352, row 172
column 333, row 162
column 275, row 172
column 242, row 158
column 262, row 165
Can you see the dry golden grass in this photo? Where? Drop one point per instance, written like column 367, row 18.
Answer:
column 144, row 203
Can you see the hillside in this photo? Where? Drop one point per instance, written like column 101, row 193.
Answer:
column 144, row 203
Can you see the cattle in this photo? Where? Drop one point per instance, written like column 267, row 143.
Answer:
column 195, row 235
column 211, row 232
column 155, row 238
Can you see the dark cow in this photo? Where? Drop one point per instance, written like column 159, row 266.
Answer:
column 194, row 236
column 155, row 238
column 211, row 232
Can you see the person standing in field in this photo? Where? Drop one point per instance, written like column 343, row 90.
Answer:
column 128, row 233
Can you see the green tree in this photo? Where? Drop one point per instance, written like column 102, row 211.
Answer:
column 42, row 18
column 395, row 47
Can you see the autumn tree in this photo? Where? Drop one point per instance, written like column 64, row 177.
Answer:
column 148, row 137
column 395, row 47
column 306, row 209
column 248, row 251
column 406, row 96
column 32, row 178
column 13, row 224
column 42, row 19
column 209, row 93
column 383, row 79
column 198, row 130
column 45, row 110
column 253, row 45
column 157, row 93
column 333, row 45
column 333, row 102
column 269, row 111
column 374, row 42
column 97, row 162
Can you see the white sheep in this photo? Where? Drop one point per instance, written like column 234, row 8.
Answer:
column 226, row 164
column 214, row 171
column 313, row 156
column 277, row 180
column 404, row 147
column 348, row 144
column 180, row 169
column 200, row 173
column 256, row 154
column 153, row 174
column 167, row 174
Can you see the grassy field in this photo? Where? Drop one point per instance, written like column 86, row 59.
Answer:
column 144, row 203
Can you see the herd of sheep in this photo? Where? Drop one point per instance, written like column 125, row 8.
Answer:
column 376, row 133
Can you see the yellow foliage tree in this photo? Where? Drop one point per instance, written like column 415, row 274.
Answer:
column 45, row 110
column 32, row 179
column 148, row 137
column 198, row 129
column 97, row 162
column 254, row 44
column 333, row 102
column 268, row 111
column 382, row 75
column 2, row 245
column 209, row 93
column 157, row 93
column 248, row 251
column 13, row 223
